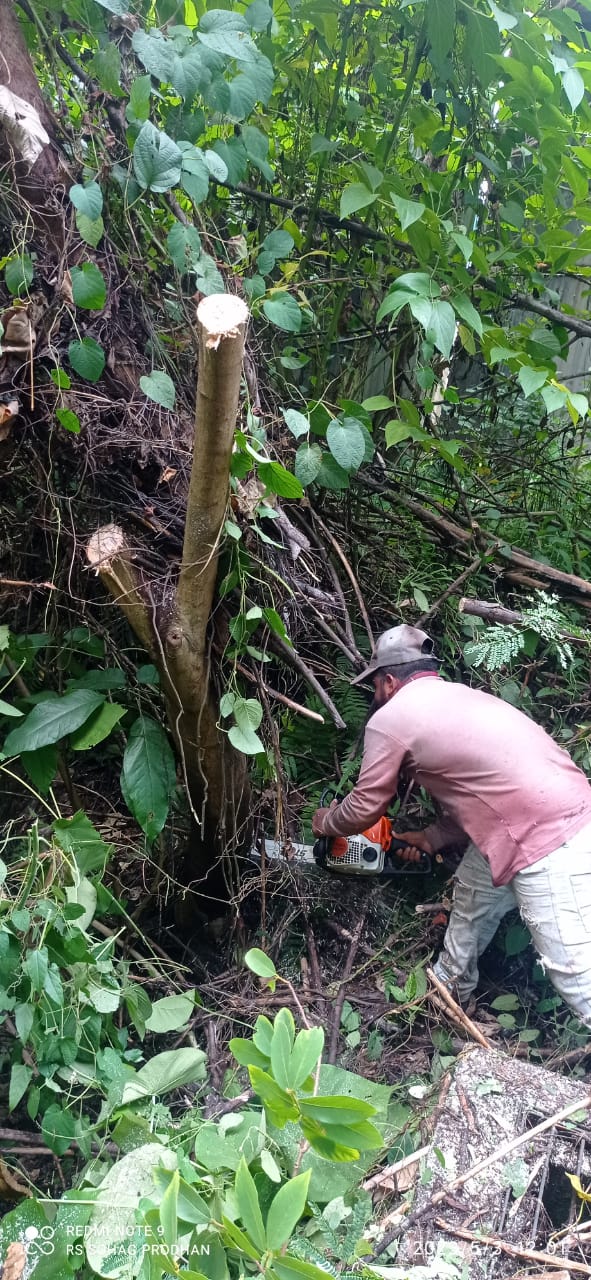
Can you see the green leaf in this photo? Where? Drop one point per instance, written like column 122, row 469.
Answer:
column 531, row 379
column 283, row 311
column 97, row 727
column 375, row 403
column 258, row 15
column 36, row 965
column 170, row 1013
column 288, row 1268
column 505, row 21
column 280, row 1055
column 248, row 1204
column 6, row 709
column 87, row 358
column 18, row 274
column 156, row 159
column 286, row 1210
column 279, row 481
column 51, row 720
column 239, row 1239
column 481, row 45
column 148, row 776
column 260, row 964
column 82, row 842
column 208, row 278
column 346, row 442
column 24, row 1017
column 159, row 387
column 247, row 1054
column 20, row 1077
column 105, row 66
column 441, row 25
column 355, row 196
column 91, row 232
column 87, row 200
column 69, row 420
column 168, row 1210
column 248, row 712
column 305, row 1054
column 88, row 287
column 465, row 308
column 298, row 423
column 337, row 1110
column 184, row 245
column 233, row 44
column 307, row 463
column 331, row 475
column 408, row 211
column 58, row 1129
column 280, row 1105
column 573, row 86
column 506, row 1002
column 438, row 321
column 165, row 1072
column 245, row 740
column 41, row 767
column 138, row 107
column 280, row 244
column 395, row 431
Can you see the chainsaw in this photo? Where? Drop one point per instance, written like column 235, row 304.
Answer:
column 372, row 853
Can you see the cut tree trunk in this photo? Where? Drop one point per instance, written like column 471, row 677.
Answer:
column 175, row 630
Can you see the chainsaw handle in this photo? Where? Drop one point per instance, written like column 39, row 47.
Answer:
column 398, row 845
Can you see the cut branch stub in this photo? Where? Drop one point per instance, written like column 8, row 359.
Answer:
column 109, row 554
column 221, row 322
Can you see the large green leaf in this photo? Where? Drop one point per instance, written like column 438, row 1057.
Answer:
column 87, row 358
column 248, row 1204
column 441, row 22
column 87, row 199
column 98, row 727
column 41, row 766
column 170, row 1013
column 53, row 719
column 408, row 211
column 184, row 242
column 159, row 387
column 280, row 481
column 355, row 196
column 284, row 312
column 157, row 160
column 307, row 464
column 165, row 1072
column 231, row 43
column 346, row 442
column 286, row 1210
column 18, row 274
column 82, row 842
column 88, row 287
column 114, row 1243
column 148, row 776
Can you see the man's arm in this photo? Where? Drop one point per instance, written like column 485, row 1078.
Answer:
column 378, row 779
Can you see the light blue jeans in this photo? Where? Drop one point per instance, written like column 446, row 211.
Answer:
column 554, row 898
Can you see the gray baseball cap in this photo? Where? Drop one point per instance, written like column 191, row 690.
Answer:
column 400, row 644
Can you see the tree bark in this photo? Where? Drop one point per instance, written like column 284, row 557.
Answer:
column 175, row 630
column 27, row 133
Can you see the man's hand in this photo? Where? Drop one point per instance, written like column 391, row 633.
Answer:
column 416, row 841
column 318, row 819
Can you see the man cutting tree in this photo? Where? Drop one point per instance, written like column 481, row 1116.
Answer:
column 504, row 785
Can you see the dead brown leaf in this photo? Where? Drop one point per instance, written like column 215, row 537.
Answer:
column 10, row 1187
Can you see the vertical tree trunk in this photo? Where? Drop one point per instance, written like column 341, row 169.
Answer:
column 215, row 774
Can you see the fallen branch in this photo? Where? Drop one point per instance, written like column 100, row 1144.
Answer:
column 294, row 660
column 532, row 1255
column 494, row 613
column 459, row 1015
column 500, row 1153
column 338, row 550
column 281, row 697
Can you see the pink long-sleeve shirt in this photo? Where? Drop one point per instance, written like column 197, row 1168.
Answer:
column 499, row 776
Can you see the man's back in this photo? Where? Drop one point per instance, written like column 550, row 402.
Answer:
column 499, row 775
